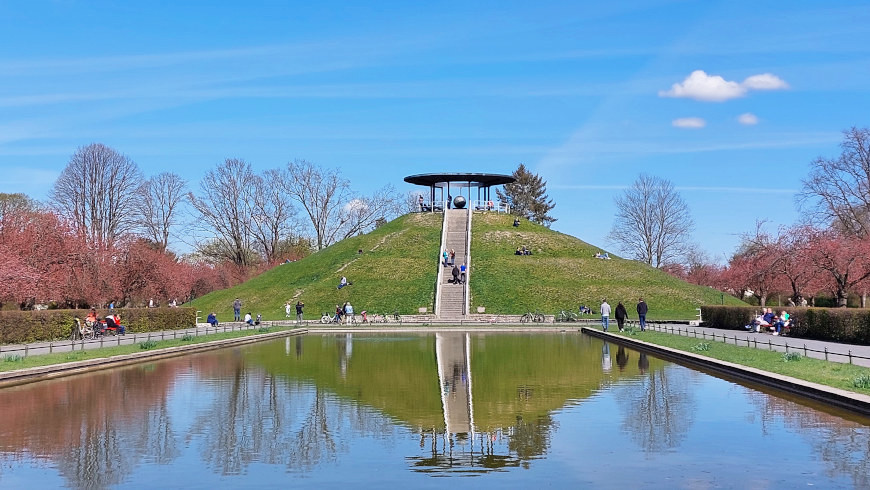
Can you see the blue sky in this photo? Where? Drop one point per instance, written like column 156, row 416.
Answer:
column 586, row 94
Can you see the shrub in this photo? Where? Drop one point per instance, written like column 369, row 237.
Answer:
column 263, row 329
column 18, row 327
column 790, row 356
column 13, row 358
column 148, row 344
column 187, row 338
column 862, row 381
column 837, row 324
column 702, row 347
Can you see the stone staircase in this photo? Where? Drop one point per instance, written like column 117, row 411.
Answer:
column 452, row 306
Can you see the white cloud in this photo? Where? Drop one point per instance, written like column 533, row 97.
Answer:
column 747, row 119
column 713, row 88
column 765, row 81
column 689, row 123
column 701, row 86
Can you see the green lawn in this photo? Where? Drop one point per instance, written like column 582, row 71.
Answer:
column 562, row 273
column 398, row 267
column 834, row 374
column 11, row 362
column 395, row 272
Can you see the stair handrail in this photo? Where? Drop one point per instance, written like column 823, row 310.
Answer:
column 441, row 249
column 465, row 296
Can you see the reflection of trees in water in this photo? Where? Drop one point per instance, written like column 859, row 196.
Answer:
column 94, row 428
column 658, row 409
column 259, row 418
column 483, row 452
column 531, row 438
column 842, row 444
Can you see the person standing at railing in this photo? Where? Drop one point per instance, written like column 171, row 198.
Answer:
column 299, row 306
column 237, row 309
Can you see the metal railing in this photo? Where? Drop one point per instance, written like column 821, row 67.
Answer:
column 747, row 342
column 50, row 347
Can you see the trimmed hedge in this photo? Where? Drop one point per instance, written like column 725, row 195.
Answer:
column 848, row 325
column 18, row 327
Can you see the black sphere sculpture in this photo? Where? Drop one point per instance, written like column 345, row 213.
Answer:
column 458, row 202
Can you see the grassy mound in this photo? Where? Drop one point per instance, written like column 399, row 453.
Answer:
column 395, row 272
column 562, row 273
column 398, row 267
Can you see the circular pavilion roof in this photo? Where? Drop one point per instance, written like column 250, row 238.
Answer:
column 482, row 180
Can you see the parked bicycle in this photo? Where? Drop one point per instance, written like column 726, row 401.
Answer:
column 536, row 317
column 566, row 316
column 326, row 318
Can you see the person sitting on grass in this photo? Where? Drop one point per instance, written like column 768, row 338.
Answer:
column 259, row 318
column 212, row 319
column 519, row 251
column 343, row 282
column 249, row 319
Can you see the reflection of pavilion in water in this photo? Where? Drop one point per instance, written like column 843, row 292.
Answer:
column 461, row 447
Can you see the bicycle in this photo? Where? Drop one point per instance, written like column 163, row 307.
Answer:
column 566, row 316
column 326, row 318
column 536, row 317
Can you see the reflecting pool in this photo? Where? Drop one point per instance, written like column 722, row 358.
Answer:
column 430, row 410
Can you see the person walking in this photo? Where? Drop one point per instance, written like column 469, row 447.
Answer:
column 605, row 313
column 621, row 315
column 299, row 306
column 462, row 273
column 455, row 273
column 452, row 257
column 287, row 309
column 641, row 314
column 445, row 254
column 237, row 309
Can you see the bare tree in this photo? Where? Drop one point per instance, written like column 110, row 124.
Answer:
column 652, row 223
column 322, row 194
column 18, row 203
column 158, row 207
column 225, row 207
column 837, row 190
column 361, row 214
column 97, row 192
column 273, row 219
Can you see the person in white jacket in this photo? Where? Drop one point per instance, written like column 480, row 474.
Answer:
column 605, row 313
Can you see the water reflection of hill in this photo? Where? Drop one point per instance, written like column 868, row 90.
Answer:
column 525, row 376
column 303, row 402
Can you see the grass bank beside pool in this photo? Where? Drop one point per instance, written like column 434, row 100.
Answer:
column 11, row 362
column 828, row 373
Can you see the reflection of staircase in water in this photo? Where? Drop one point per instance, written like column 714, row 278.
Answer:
column 453, row 354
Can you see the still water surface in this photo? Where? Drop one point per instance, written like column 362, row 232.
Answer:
column 431, row 410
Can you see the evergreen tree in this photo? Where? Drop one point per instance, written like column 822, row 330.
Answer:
column 527, row 197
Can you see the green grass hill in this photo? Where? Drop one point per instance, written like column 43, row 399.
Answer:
column 397, row 268
column 563, row 273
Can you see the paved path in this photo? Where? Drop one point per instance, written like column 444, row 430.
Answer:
column 131, row 338
column 814, row 348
